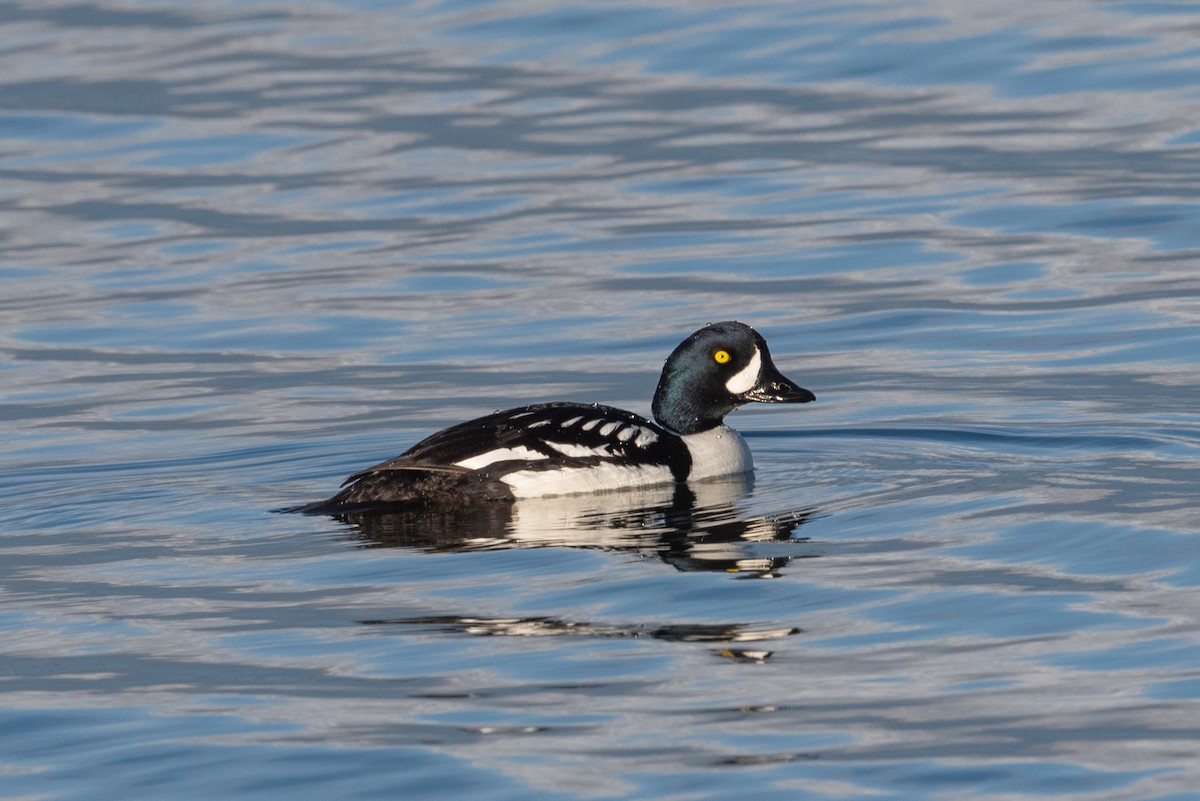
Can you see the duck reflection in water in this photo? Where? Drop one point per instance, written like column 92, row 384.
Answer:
column 692, row 527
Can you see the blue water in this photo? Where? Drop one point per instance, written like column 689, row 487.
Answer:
column 247, row 248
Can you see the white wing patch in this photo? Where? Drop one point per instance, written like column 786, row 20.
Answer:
column 500, row 455
column 745, row 379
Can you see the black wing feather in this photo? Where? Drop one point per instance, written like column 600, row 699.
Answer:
column 428, row 468
column 531, row 427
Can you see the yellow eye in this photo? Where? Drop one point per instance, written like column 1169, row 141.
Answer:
column 721, row 356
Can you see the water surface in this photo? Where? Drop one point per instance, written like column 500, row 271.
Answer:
column 249, row 247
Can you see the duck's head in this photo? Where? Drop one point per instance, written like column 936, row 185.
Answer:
column 716, row 370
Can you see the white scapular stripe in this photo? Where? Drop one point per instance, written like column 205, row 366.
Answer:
column 645, row 437
column 745, row 379
column 574, row 450
column 500, row 455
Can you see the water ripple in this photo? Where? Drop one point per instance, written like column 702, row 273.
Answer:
column 247, row 248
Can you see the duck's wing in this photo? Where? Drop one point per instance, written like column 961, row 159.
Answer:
column 563, row 432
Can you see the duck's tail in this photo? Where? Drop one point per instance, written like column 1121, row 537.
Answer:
column 409, row 486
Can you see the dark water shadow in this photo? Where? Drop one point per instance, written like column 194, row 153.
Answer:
column 694, row 527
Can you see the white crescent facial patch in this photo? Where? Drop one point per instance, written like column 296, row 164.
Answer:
column 745, row 379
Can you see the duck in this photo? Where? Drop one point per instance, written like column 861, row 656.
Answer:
column 568, row 448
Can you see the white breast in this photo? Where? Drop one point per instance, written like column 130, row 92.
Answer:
column 720, row 451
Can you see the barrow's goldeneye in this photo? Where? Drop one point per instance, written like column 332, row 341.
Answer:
column 568, row 448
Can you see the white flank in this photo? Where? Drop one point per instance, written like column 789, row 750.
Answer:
column 590, row 520
column 575, row 480
column 745, row 379
column 720, row 451
column 500, row 455
column 608, row 428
